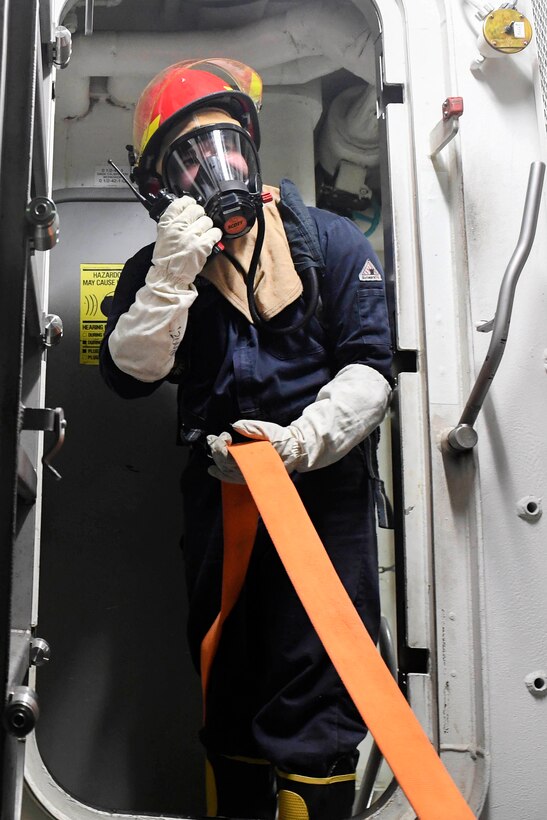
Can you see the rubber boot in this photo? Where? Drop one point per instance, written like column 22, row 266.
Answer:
column 239, row 787
column 301, row 797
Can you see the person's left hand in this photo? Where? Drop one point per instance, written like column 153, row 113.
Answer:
column 225, row 467
column 287, row 441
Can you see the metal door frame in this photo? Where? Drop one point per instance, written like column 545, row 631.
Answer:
column 26, row 48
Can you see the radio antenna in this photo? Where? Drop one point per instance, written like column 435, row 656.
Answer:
column 128, row 182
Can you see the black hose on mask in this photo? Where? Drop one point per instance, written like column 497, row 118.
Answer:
column 310, row 284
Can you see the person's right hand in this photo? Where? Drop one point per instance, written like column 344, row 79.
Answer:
column 186, row 237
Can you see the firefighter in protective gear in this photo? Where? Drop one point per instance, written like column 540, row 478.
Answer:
column 280, row 729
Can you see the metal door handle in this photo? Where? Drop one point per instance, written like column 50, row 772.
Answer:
column 47, row 419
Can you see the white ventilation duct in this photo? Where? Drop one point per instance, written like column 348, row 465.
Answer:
column 350, row 131
column 307, row 41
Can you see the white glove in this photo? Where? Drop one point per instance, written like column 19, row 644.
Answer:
column 225, row 467
column 146, row 338
column 287, row 441
column 186, row 237
column 345, row 412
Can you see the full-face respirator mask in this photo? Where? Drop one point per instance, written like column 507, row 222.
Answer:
column 218, row 166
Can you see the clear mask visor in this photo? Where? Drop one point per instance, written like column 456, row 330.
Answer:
column 207, row 160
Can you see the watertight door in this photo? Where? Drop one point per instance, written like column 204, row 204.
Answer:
column 28, row 223
column 121, row 706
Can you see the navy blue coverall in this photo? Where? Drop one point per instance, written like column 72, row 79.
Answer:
column 273, row 693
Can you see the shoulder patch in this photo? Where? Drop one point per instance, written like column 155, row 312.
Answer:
column 368, row 273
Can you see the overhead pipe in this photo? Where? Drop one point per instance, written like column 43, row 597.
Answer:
column 308, row 30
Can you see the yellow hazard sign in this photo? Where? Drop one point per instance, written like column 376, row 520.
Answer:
column 98, row 283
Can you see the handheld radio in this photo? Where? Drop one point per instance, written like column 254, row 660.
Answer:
column 155, row 204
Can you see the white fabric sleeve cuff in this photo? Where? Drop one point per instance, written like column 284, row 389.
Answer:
column 345, row 412
column 144, row 342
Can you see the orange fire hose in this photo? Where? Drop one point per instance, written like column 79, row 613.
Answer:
column 269, row 492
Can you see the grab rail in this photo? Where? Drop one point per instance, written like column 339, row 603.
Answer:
column 463, row 437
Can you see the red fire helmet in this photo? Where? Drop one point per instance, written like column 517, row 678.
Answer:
column 180, row 89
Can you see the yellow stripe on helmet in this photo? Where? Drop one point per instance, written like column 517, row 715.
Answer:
column 149, row 131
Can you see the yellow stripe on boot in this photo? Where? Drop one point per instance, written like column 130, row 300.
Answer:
column 210, row 791
column 291, row 806
column 302, row 797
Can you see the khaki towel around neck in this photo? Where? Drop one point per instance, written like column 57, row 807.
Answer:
column 277, row 284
